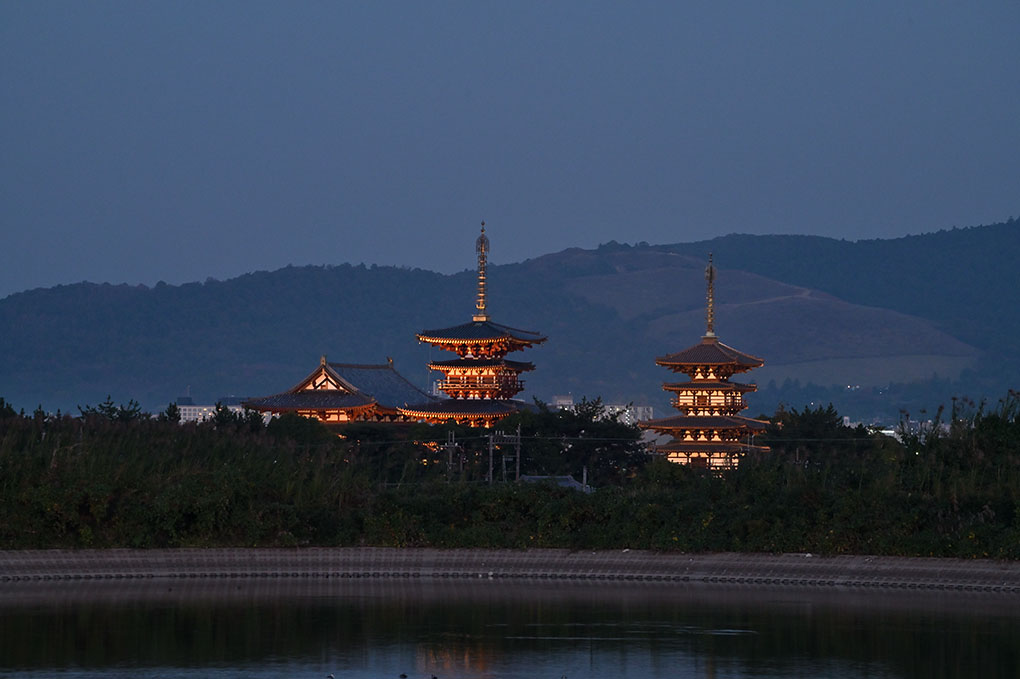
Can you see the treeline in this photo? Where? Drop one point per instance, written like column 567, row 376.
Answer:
column 115, row 477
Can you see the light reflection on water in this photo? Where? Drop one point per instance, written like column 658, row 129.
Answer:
column 496, row 629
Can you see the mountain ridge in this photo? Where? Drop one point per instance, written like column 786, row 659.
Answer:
column 608, row 313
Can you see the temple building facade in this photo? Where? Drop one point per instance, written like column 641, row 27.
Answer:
column 339, row 393
column 481, row 382
column 709, row 431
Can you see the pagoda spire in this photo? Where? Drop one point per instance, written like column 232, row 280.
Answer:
column 710, row 310
column 482, row 248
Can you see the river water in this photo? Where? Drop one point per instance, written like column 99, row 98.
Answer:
column 497, row 629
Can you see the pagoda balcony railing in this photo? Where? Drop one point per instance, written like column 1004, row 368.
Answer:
column 469, row 395
column 511, row 386
column 730, row 403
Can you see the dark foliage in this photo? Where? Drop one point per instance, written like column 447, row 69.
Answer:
column 105, row 479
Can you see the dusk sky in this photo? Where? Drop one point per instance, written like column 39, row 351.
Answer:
column 174, row 141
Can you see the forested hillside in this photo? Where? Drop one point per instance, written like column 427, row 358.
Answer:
column 906, row 323
column 962, row 278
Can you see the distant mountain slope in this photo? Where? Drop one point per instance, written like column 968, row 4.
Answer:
column 963, row 279
column 816, row 310
column 658, row 299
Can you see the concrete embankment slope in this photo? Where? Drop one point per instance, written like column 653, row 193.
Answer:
column 550, row 564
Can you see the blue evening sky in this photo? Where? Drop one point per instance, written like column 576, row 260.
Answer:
column 145, row 141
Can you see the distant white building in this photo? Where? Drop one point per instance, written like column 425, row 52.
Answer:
column 191, row 412
column 631, row 414
column 627, row 414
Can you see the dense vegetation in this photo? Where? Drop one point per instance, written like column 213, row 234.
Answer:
column 114, row 476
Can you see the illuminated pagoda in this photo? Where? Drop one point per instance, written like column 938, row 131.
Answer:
column 709, row 431
column 481, row 382
column 338, row 393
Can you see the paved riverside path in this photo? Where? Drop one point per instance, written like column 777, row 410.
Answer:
column 549, row 564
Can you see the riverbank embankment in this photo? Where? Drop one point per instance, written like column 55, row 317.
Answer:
column 806, row 570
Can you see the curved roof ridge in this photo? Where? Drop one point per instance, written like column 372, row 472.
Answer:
column 737, row 352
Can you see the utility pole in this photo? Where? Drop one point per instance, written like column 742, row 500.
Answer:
column 491, row 442
column 502, row 438
column 450, row 446
column 517, row 454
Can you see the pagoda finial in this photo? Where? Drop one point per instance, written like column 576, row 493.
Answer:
column 710, row 312
column 482, row 248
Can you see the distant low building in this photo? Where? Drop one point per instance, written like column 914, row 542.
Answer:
column 629, row 414
column 191, row 412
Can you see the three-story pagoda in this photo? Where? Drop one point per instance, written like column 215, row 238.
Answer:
column 480, row 382
column 709, row 432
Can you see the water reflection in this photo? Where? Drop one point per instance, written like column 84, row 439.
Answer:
column 488, row 629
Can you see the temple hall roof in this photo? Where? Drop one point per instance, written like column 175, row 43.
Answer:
column 313, row 399
column 383, row 383
column 360, row 386
column 480, row 330
column 710, row 351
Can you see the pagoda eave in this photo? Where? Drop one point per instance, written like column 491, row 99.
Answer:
column 463, row 411
column 500, row 365
column 704, row 423
column 709, row 447
column 710, row 385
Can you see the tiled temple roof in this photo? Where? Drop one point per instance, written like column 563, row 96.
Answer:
column 710, row 351
column 369, row 385
column 313, row 399
column 383, row 383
